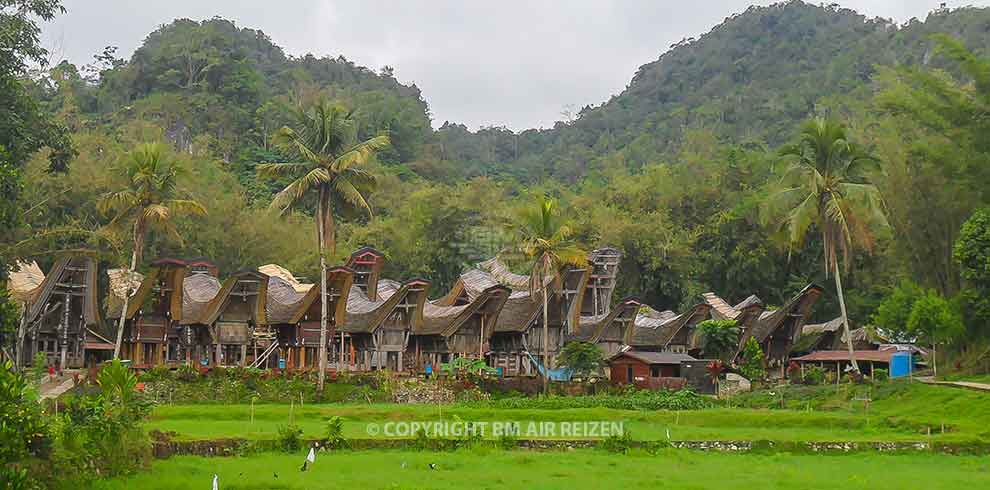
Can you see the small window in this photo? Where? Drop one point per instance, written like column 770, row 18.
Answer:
column 655, row 371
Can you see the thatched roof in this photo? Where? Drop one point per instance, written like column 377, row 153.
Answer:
column 591, row 328
column 248, row 282
column 798, row 307
column 443, row 319
column 283, row 300
column 24, row 282
column 285, row 304
column 198, row 290
column 275, row 270
column 120, row 282
column 655, row 329
column 365, row 315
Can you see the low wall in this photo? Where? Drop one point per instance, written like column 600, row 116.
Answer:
column 231, row 447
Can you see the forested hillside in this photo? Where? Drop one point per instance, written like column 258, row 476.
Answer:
column 675, row 170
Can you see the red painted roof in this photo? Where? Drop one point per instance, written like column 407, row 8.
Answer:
column 843, row 355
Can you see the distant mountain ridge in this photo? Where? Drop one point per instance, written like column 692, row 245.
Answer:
column 749, row 80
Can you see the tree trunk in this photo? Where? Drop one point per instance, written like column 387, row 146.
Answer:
column 934, row 364
column 320, row 214
column 127, row 300
column 845, row 319
column 546, row 345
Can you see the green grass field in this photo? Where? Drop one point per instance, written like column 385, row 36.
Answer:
column 898, row 413
column 573, row 470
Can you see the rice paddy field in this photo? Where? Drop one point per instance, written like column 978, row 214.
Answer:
column 891, row 413
column 899, row 413
column 571, row 470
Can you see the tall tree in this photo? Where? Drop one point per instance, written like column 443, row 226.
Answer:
column 327, row 156
column 148, row 200
column 825, row 188
column 544, row 239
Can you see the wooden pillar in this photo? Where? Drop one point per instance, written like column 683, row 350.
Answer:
column 243, row 354
column 219, row 355
column 302, row 357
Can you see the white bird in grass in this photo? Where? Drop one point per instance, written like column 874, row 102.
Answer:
column 216, row 482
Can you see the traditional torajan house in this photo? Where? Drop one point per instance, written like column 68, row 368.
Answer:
column 199, row 287
column 152, row 335
column 459, row 324
column 666, row 331
column 232, row 316
column 294, row 311
column 776, row 330
column 381, row 314
column 61, row 315
column 611, row 331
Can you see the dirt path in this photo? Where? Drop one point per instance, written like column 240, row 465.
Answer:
column 959, row 384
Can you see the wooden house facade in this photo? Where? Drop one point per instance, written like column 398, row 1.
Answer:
column 61, row 316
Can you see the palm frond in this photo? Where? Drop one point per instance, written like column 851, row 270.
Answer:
column 361, row 153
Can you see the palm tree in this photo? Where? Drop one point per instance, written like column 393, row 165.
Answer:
column 149, row 200
column 326, row 157
column 825, row 187
column 544, row 239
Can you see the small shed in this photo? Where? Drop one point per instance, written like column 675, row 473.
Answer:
column 868, row 360
column 652, row 370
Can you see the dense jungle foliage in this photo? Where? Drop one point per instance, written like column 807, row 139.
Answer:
column 675, row 170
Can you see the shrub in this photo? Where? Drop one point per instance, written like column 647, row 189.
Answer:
column 24, row 433
column 629, row 400
column 157, row 373
column 880, row 375
column 289, row 438
column 335, row 433
column 618, row 443
column 814, row 375
column 187, row 372
column 752, row 361
column 581, row 357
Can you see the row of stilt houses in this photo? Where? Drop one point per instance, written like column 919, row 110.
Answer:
column 182, row 313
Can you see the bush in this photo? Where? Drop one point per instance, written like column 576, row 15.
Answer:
column 752, row 361
column 289, row 438
column 618, row 444
column 335, row 433
column 187, row 372
column 880, row 375
column 629, row 400
column 157, row 373
column 814, row 375
column 24, row 433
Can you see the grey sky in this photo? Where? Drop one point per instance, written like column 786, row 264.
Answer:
column 505, row 62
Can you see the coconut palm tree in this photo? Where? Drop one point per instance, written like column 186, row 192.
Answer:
column 544, row 239
column 825, row 187
column 147, row 201
column 326, row 159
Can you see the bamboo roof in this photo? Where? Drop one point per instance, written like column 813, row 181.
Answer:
column 655, row 329
column 275, row 270
column 799, row 306
column 198, row 290
column 24, row 281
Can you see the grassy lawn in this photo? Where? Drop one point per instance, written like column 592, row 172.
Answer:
column 898, row 412
column 579, row 469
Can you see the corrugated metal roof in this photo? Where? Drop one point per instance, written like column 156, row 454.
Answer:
column 655, row 357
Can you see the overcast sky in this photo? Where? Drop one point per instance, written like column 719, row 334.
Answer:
column 500, row 62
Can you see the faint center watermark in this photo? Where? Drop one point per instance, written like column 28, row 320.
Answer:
column 576, row 429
